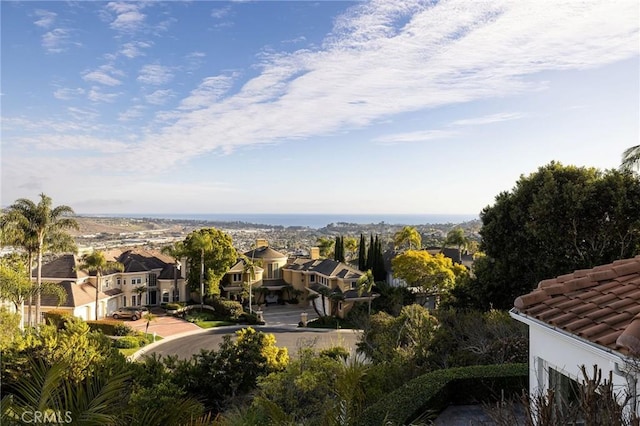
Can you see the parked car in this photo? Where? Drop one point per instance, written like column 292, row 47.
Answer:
column 132, row 312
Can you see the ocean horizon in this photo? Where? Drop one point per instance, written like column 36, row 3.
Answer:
column 309, row 220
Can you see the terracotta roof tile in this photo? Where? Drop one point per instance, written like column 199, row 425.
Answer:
column 630, row 337
column 627, row 268
column 609, row 338
column 578, row 324
column 601, row 304
column 581, row 309
column 578, row 283
column 604, row 299
column 622, row 304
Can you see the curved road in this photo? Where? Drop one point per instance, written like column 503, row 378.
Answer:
column 291, row 338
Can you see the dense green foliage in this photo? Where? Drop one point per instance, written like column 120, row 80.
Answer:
column 435, row 390
column 554, row 221
column 209, row 250
column 38, row 228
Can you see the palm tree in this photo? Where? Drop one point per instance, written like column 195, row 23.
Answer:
column 365, row 284
column 98, row 263
column 249, row 273
column 148, row 317
column 43, row 229
column 175, row 250
column 202, row 242
column 631, row 158
column 408, row 235
column 456, row 237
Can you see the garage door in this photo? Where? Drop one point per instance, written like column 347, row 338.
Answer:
column 112, row 305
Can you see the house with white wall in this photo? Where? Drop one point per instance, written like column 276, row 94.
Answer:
column 148, row 278
column 588, row 318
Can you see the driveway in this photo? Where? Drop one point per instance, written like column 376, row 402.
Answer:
column 164, row 325
column 185, row 339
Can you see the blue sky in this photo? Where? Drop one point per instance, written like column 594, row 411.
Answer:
column 309, row 107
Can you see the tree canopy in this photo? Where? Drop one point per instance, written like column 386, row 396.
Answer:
column 434, row 273
column 554, row 221
column 408, row 236
column 216, row 248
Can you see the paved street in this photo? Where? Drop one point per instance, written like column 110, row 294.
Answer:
column 292, row 339
column 184, row 339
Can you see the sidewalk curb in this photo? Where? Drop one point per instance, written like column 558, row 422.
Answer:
column 144, row 349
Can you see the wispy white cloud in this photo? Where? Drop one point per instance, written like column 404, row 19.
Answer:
column 220, row 12
column 418, row 136
column 128, row 16
column 155, row 75
column 160, row 97
column 489, row 119
column 67, row 93
column 384, row 58
column 106, row 74
column 132, row 113
column 96, row 94
column 56, row 40
column 134, row 49
column 208, row 92
column 45, row 18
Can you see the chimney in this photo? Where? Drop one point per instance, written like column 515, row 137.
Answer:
column 261, row 242
column 314, row 252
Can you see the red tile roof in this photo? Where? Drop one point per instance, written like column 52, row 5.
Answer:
column 601, row 305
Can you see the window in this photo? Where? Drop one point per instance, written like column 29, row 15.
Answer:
column 566, row 390
column 237, row 278
column 119, row 281
column 124, row 301
column 270, row 270
column 153, row 280
column 133, row 300
column 165, row 297
column 124, row 281
column 312, row 278
column 354, row 284
column 107, row 283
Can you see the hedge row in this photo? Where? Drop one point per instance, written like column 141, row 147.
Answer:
column 107, row 326
column 436, row 390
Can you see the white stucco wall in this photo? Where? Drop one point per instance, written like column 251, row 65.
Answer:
column 550, row 348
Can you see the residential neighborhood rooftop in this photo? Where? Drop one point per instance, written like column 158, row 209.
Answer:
column 600, row 305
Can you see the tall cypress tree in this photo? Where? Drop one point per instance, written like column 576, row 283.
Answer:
column 379, row 273
column 341, row 258
column 336, row 250
column 371, row 257
column 362, row 254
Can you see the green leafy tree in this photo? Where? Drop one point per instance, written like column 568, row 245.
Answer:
column 249, row 275
column 315, row 388
column 362, row 254
column 365, row 284
column 436, row 274
column 212, row 250
column 42, row 227
column 338, row 253
column 456, row 238
column 404, row 338
column 408, row 236
column 218, row 377
column 350, row 247
column 98, row 263
column 176, row 251
column 326, row 246
column 554, row 221
column 16, row 287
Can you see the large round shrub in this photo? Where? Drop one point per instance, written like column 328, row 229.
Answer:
column 127, row 342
